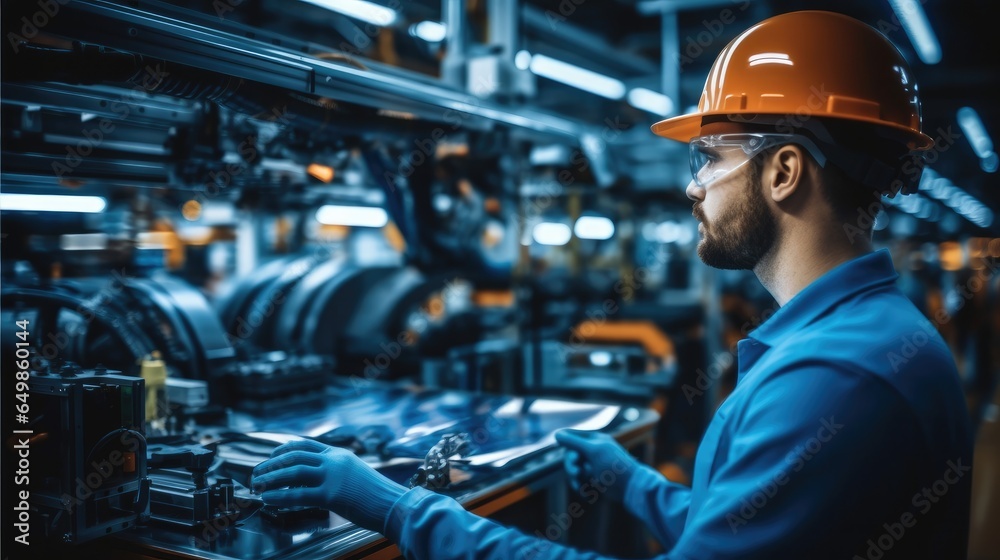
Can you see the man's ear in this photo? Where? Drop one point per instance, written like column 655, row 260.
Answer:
column 786, row 173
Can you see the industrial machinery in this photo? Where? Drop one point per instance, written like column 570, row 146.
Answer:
column 628, row 359
column 181, row 494
column 88, row 454
column 492, row 366
column 120, row 320
column 375, row 321
column 204, row 264
column 273, row 381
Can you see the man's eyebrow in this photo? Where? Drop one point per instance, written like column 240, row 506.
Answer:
column 710, row 150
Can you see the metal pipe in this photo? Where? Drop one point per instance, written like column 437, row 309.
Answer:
column 671, row 58
column 504, row 24
column 589, row 45
column 453, row 64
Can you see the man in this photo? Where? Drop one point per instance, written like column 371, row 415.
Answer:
column 846, row 435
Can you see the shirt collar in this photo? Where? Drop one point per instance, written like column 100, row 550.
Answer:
column 842, row 282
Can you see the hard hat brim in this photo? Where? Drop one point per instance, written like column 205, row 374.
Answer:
column 683, row 128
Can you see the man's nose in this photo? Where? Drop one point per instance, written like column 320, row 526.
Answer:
column 694, row 192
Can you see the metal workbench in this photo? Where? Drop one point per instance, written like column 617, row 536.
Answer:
column 526, row 487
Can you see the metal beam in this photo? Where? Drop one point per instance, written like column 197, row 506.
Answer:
column 504, row 22
column 671, row 59
column 453, row 66
column 589, row 45
column 197, row 40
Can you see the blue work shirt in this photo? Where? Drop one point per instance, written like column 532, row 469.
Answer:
column 846, row 436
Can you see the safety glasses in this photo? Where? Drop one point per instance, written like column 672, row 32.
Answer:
column 714, row 157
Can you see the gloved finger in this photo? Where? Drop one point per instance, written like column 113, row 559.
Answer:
column 574, row 483
column 572, row 457
column 612, row 450
column 287, row 460
column 572, row 463
column 291, row 497
column 309, row 445
column 588, row 434
column 595, row 437
column 601, row 442
column 298, row 475
column 573, row 476
column 573, row 440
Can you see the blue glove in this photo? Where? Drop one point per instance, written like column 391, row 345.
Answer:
column 596, row 463
column 310, row 473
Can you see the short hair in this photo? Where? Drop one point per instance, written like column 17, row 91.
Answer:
column 852, row 201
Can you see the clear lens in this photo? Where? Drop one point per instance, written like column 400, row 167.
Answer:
column 714, row 157
column 709, row 164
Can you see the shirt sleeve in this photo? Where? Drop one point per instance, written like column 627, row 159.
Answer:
column 426, row 525
column 807, row 468
column 660, row 504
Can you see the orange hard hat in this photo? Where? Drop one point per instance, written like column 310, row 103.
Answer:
column 798, row 65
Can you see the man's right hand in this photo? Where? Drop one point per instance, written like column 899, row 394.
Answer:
column 597, row 460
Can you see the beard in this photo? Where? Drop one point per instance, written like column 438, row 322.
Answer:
column 742, row 234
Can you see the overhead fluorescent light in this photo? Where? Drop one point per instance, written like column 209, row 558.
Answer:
column 213, row 213
column 594, row 227
column 924, row 209
column 918, row 28
column 551, row 233
column 359, row 9
column 974, row 129
column 990, row 163
column 952, row 196
column 985, row 219
column 652, row 101
column 910, row 204
column 553, row 154
column 430, row 31
column 522, row 60
column 355, row 216
column 52, row 203
column 577, row 77
column 83, row 242
column 976, row 212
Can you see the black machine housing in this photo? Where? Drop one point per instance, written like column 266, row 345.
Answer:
column 88, row 452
